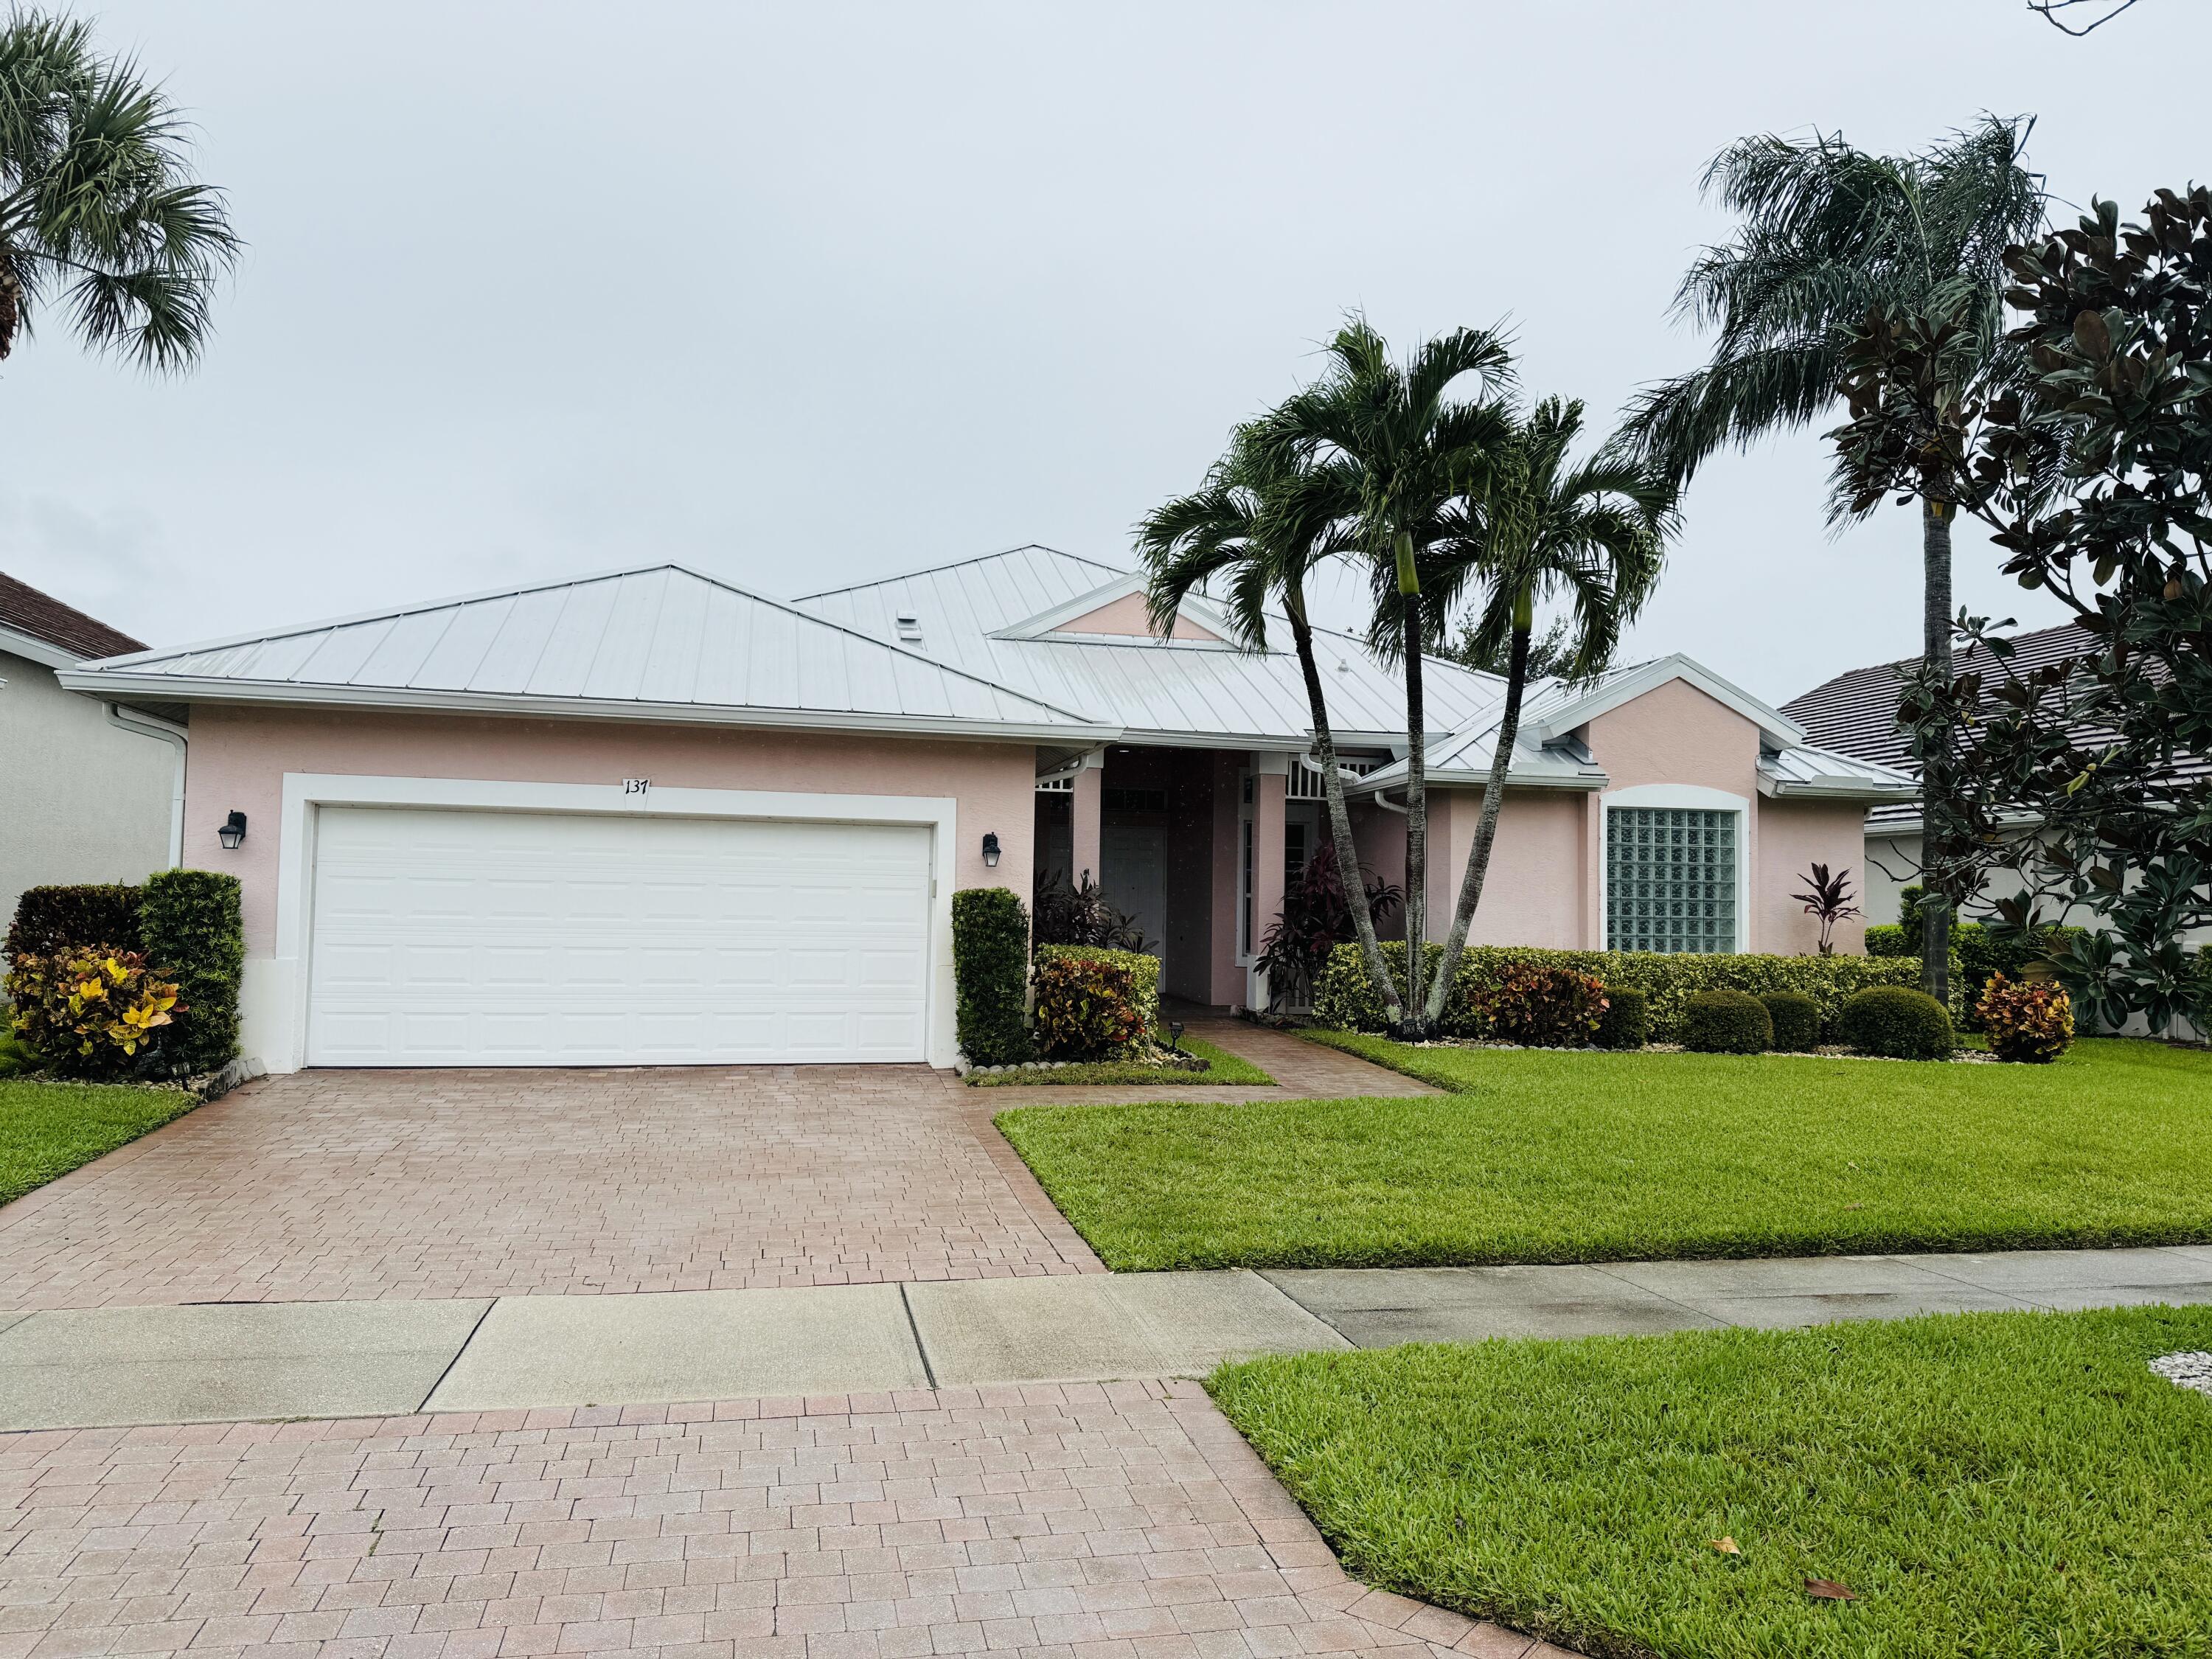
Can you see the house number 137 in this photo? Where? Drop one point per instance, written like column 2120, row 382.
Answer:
column 636, row 785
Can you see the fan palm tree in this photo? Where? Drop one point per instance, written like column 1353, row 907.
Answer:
column 99, row 211
column 1591, row 534
column 1263, row 521
column 1831, row 236
column 1406, row 448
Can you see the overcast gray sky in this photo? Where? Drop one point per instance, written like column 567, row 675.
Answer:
column 807, row 294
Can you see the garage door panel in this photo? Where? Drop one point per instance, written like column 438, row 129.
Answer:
column 458, row 938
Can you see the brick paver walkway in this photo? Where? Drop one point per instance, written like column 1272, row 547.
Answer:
column 364, row 1185
column 1122, row 1521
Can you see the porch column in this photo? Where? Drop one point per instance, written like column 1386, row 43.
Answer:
column 1083, row 821
column 1271, row 782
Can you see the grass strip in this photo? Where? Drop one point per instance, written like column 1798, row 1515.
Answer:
column 47, row 1129
column 1223, row 1069
column 1586, row 1157
column 1995, row 1484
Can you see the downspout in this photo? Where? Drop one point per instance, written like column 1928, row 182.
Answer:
column 152, row 726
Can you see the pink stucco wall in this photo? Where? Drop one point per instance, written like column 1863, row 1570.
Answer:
column 1545, row 878
column 1127, row 615
column 239, row 757
column 1792, row 835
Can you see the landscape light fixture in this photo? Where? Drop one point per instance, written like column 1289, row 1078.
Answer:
column 233, row 830
column 1174, row 1036
column 991, row 850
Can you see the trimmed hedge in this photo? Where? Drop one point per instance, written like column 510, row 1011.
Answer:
column 1796, row 1019
column 52, row 920
column 1626, row 1021
column 990, row 975
column 1143, row 969
column 1726, row 1021
column 188, row 923
column 1344, row 999
column 1899, row 1023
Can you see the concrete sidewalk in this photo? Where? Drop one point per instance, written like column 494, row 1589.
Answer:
column 246, row 1362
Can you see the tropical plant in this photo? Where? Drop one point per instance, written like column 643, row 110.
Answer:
column 1266, row 517
column 1829, row 898
column 93, row 1012
column 1087, row 1008
column 1590, row 534
column 1393, row 438
column 1548, row 1007
column 1316, row 918
column 1068, row 914
column 2030, row 1022
column 1829, row 236
column 99, row 210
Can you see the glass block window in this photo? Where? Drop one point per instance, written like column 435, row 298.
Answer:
column 1670, row 879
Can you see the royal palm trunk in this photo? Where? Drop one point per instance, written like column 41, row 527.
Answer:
column 1339, row 816
column 1417, row 783
column 1493, row 802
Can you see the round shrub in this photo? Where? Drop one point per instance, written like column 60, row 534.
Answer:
column 1898, row 1024
column 2030, row 1022
column 1725, row 1023
column 1796, row 1019
column 1626, row 1021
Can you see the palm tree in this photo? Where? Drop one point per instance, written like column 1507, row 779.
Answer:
column 1831, row 236
column 1407, row 449
column 1263, row 521
column 99, row 211
column 1593, row 534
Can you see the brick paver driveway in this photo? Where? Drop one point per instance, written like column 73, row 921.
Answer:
column 363, row 1185
column 1122, row 1522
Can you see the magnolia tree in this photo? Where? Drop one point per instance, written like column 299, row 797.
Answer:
column 2093, row 466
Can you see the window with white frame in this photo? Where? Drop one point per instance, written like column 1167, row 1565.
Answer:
column 1671, row 876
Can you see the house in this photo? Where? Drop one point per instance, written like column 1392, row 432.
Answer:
column 1856, row 714
column 88, row 793
column 648, row 817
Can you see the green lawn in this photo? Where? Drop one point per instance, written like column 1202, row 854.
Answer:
column 1586, row 1157
column 1222, row 1068
column 47, row 1129
column 1995, row 1486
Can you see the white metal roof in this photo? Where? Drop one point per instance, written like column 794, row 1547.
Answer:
column 1564, row 706
column 1803, row 769
column 1165, row 690
column 660, row 642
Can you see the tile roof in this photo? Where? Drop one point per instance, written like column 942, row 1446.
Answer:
column 1856, row 712
column 24, row 610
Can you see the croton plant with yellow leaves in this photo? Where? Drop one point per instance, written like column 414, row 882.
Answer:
column 94, row 1011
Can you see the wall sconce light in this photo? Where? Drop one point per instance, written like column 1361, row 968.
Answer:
column 991, row 850
column 233, row 830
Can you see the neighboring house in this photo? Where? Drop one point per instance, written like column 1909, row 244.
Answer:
column 1856, row 714
column 85, row 795
column 650, row 817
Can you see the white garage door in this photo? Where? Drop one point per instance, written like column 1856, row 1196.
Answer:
column 509, row 939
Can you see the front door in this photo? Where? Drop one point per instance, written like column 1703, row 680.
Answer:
column 1135, row 876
